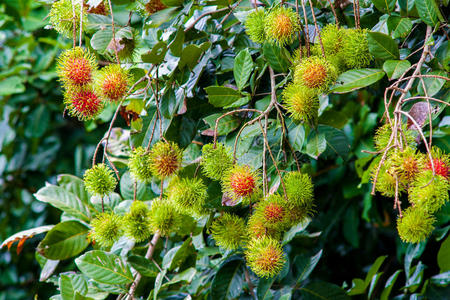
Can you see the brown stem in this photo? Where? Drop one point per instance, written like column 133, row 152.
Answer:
column 251, row 287
column 308, row 51
column 74, row 16
column 204, row 15
column 113, row 32
column 317, row 28
column 333, row 9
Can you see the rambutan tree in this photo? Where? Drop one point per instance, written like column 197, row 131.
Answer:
column 248, row 149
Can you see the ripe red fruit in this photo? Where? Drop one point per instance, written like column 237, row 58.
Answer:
column 242, row 183
column 82, row 103
column 76, row 66
column 440, row 167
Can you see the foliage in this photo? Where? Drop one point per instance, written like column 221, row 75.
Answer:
column 253, row 151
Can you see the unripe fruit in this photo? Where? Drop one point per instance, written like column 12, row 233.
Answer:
column 82, row 103
column 112, row 82
column 265, row 257
column 164, row 218
column 332, row 40
column 355, row 49
column 257, row 228
column 301, row 102
column 406, row 164
column 275, row 212
column 99, row 180
column 76, row 67
column 281, row 25
column 165, row 159
column 240, row 181
column 106, row 229
column 429, row 192
column 383, row 135
column 215, row 161
column 139, row 165
column 188, row 195
column 315, row 73
column 62, row 15
column 415, row 225
column 386, row 180
column 137, row 222
column 229, row 231
column 254, row 25
column 299, row 189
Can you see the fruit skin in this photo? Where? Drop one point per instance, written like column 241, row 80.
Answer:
column 164, row 217
column 315, row 73
column 139, row 164
column 265, row 257
column 355, row 49
column 281, row 24
column 229, row 231
column 332, row 39
column 61, row 16
column 274, row 210
column 383, row 135
column 257, row 228
column 99, row 180
column 188, row 195
column 76, row 67
column 112, row 82
column 240, row 181
column 441, row 162
column 137, row 222
column 165, row 159
column 299, row 189
column 386, row 181
column 301, row 102
column 216, row 162
column 106, row 229
column 82, row 103
column 415, row 225
column 254, row 26
column 406, row 164
column 429, row 192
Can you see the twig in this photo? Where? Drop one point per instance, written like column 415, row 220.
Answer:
column 334, row 13
column 113, row 32
column 251, row 287
column 308, row 51
column 317, row 28
column 74, row 21
column 204, row 15
column 81, row 24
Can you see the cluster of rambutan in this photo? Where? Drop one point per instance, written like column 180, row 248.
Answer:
column 86, row 87
column 407, row 171
column 261, row 233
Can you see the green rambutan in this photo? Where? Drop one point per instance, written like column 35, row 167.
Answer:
column 164, row 217
column 415, row 225
column 254, row 25
column 386, row 181
column 257, row 228
column 99, row 180
column 383, row 135
column 301, row 102
column 429, row 192
column 275, row 212
column 106, row 229
column 62, row 16
column 112, row 82
column 216, row 161
column 281, row 25
column 76, row 67
column 165, row 159
column 299, row 189
column 407, row 164
column 316, row 73
column 240, row 181
column 265, row 257
column 355, row 48
column 82, row 103
column 229, row 231
column 298, row 56
column 441, row 162
column 332, row 39
column 137, row 222
column 188, row 195
column 139, row 164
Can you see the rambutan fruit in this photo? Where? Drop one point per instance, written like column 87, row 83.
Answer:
column 441, row 162
column 316, row 73
column 112, row 82
column 240, row 181
column 275, row 212
column 139, row 164
column 62, row 16
column 407, row 164
column 332, row 40
column 254, row 25
column 82, row 103
column 99, row 180
column 164, row 218
column 299, row 189
column 137, row 222
column 153, row 6
column 216, row 161
column 429, row 192
column 76, row 67
column 257, row 228
column 106, row 229
column 387, row 179
column 165, row 159
column 301, row 102
column 298, row 56
column 265, row 257
column 188, row 195
column 383, row 135
column 229, row 231
column 355, row 48
column 281, row 25
column 415, row 225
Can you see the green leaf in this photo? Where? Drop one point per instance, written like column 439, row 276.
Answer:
column 243, row 66
column 144, row 266
column 12, row 85
column 26, row 234
column 389, row 285
column 337, row 142
column 189, row 56
column 276, row 57
column 316, row 144
column 156, row 55
column 395, row 68
column 104, row 267
column 263, row 289
column 177, row 255
column 350, row 226
column 226, row 125
column 296, row 137
column 428, row 12
column 229, row 279
column 158, row 282
column 37, row 122
column 382, row 46
column 412, row 252
column 385, row 6
column 72, row 284
column 374, row 268
column 221, row 96
column 176, row 46
column 320, row 290
column 433, row 85
column 399, row 27
column 64, row 200
column 442, row 279
column 305, row 265
column 296, row 229
column 158, row 18
column 356, row 79
column 443, row 257
column 65, row 240
column 101, row 39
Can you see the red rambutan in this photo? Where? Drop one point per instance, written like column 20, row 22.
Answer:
column 76, row 66
column 82, row 103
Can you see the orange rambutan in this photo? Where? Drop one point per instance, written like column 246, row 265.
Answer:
column 274, row 211
column 165, row 159
column 240, row 181
column 112, row 82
